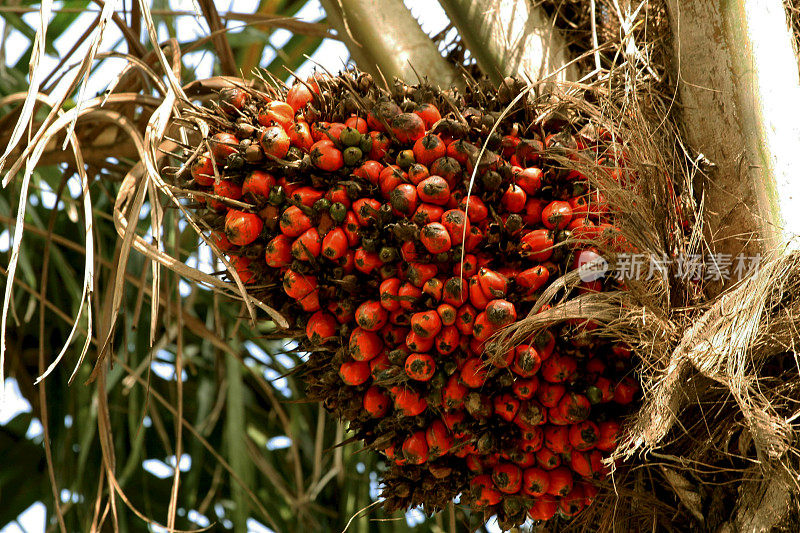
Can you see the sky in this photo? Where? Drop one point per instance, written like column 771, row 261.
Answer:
column 331, row 55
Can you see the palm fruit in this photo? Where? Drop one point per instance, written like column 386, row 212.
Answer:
column 396, row 251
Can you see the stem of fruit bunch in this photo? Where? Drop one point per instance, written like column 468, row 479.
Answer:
column 386, row 40
column 737, row 77
column 511, row 37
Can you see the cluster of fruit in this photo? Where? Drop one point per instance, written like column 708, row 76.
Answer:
column 401, row 231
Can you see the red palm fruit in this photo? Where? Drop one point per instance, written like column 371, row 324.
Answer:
column 532, row 279
column 466, row 268
column 601, row 391
column 524, row 459
column 380, row 145
column 426, row 324
column 420, row 366
column 389, row 178
column 279, row 251
column 335, row 131
column 378, row 364
column 223, row 145
column 429, row 114
column 447, row 341
column 474, row 239
column 454, row 393
column 407, row 127
column 556, row 438
column 354, row 373
column 473, row 373
column 370, row 171
column 530, row 414
column 584, row 435
column 447, row 168
column 394, row 335
column 415, row 448
column 476, row 295
column 561, row 481
column 453, row 421
column 242, row 267
column 365, row 261
column 608, row 434
column 573, row 503
column 299, row 285
column 538, row 245
column 389, row 294
column 532, row 439
column 557, row 215
column 408, row 295
column 404, row 199
column 457, row 225
column 326, row 157
column 474, row 464
column 310, row 302
column 438, row 438
column 529, row 180
column 475, row 209
column 351, row 228
column 506, row 406
column 588, row 464
column 466, row 319
column 228, row 189
column 575, row 407
column 514, row 199
column 408, row 402
column 306, row 196
column 364, row 345
column 524, row 389
column 493, row 284
column 532, row 215
column 549, row 394
column 321, row 326
column 434, row 190
column 223, row 243
column 258, row 183
column 435, row 238
column 233, row 99
column 300, row 94
column 391, row 454
column 307, row 246
column 371, row 316
column 455, row 292
column 476, row 347
column 428, row 149
column 433, row 288
column 545, row 342
column 546, row 459
column 427, row 213
column 448, row 314
column 202, row 170
column 357, row 123
column 501, row 313
column 557, row 416
column 625, row 390
column 334, row 245
column 301, row 135
column 366, row 211
column 417, row 172
column 509, row 145
column 558, row 368
column 376, row 402
column 275, row 142
column 483, row 491
column 543, row 509
column 507, row 478
column 294, row 222
column 461, row 151
column 276, row 112
column 482, row 329
column 319, row 130
column 535, row 482
column 242, row 228
column 343, row 310
column 417, row 343
column 526, row 361
column 419, row 273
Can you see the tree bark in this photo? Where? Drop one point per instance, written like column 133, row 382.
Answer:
column 511, row 37
column 386, row 40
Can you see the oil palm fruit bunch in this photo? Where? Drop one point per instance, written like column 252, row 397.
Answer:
column 398, row 232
